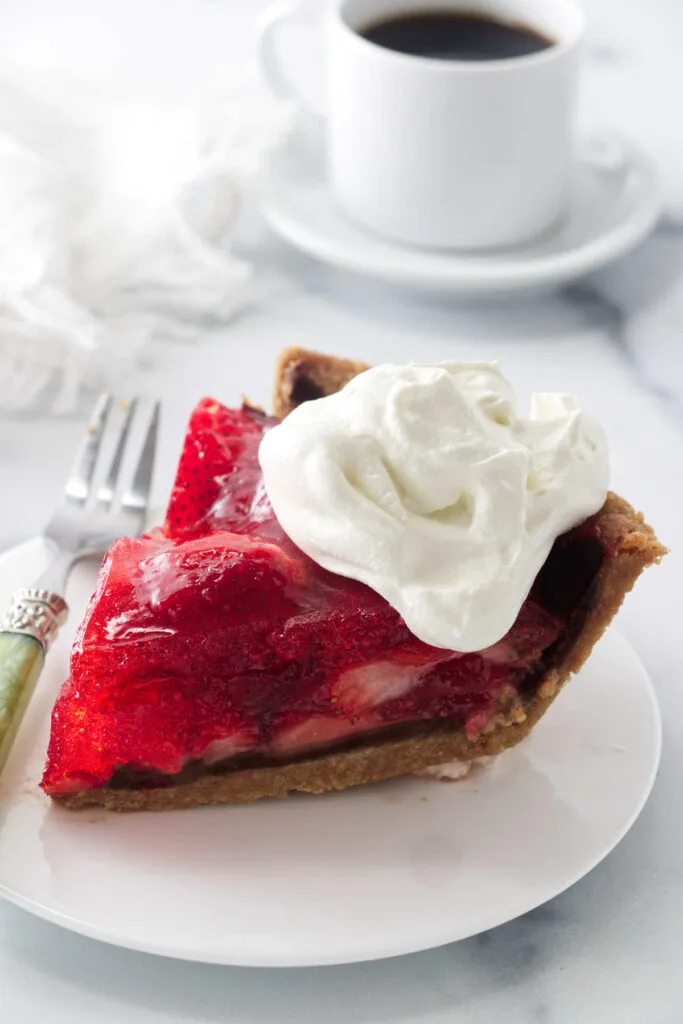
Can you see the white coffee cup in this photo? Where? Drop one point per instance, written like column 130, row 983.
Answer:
column 445, row 153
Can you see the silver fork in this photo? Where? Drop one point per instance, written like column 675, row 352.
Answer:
column 103, row 499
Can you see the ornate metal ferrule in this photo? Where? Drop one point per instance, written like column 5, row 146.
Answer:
column 36, row 613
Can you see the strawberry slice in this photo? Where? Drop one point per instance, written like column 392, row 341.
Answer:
column 220, row 443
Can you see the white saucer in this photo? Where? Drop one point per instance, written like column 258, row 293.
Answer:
column 615, row 202
column 360, row 875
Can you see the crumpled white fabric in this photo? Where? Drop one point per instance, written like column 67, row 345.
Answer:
column 114, row 215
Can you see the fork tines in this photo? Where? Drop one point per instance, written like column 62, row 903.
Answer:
column 103, row 470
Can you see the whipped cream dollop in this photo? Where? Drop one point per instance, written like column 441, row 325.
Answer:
column 425, row 483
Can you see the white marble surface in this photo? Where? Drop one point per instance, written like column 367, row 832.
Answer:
column 608, row 950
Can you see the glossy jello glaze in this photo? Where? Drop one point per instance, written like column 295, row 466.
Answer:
column 215, row 635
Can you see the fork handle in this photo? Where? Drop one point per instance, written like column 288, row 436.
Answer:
column 29, row 627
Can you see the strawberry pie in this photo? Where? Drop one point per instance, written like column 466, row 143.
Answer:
column 235, row 653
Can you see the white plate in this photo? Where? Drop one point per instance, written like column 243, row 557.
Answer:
column 614, row 203
column 363, row 874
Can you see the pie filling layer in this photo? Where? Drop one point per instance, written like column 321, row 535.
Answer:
column 214, row 643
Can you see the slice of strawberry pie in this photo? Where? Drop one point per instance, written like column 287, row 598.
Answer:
column 219, row 663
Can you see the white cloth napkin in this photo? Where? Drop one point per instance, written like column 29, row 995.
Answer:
column 114, row 215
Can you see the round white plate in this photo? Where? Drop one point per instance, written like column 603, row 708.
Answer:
column 614, row 203
column 368, row 873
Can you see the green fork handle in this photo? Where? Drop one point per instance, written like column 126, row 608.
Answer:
column 28, row 628
column 21, row 660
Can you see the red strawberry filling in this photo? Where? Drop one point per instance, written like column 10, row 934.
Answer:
column 214, row 639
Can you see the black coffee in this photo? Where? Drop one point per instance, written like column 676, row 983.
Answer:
column 455, row 35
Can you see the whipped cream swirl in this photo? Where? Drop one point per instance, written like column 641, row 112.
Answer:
column 425, row 483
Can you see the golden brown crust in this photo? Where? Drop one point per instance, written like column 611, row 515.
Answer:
column 632, row 546
column 301, row 375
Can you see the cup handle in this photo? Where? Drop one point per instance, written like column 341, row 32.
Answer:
column 268, row 31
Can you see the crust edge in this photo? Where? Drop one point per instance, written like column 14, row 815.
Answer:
column 302, row 374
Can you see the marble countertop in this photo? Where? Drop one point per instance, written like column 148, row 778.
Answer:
column 609, row 949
